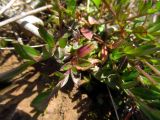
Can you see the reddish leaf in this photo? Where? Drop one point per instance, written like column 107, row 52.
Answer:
column 85, row 50
column 93, row 61
column 86, row 33
column 83, row 68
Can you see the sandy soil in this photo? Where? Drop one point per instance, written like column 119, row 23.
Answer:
column 16, row 99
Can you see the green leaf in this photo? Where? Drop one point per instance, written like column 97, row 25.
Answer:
column 152, row 114
column 145, row 81
column 158, row 5
column 59, row 74
column 142, row 34
column 3, row 43
column 156, row 9
column 62, row 43
column 129, row 85
column 144, row 6
column 116, row 54
column 143, row 50
column 20, row 50
column 140, row 5
column 66, row 66
column 45, row 53
column 71, row 6
column 30, row 51
column 39, row 101
column 26, row 52
column 120, row 6
column 154, row 104
column 7, row 76
column 83, row 63
column 145, row 93
column 154, row 27
column 130, row 76
column 152, row 11
column 155, row 87
column 63, row 40
column 97, row 2
column 101, row 28
column 47, row 37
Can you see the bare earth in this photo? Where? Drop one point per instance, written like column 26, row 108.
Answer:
column 15, row 100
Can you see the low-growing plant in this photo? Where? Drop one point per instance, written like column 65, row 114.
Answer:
column 114, row 41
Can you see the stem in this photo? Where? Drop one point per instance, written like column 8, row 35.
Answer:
column 12, row 48
column 113, row 103
column 60, row 13
column 138, row 68
column 137, row 16
column 157, row 72
column 117, row 44
column 110, row 8
column 88, row 3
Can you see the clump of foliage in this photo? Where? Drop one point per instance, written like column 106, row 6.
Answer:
column 114, row 41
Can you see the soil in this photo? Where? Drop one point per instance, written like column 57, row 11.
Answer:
column 17, row 96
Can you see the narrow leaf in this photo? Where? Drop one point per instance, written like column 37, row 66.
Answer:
column 47, row 37
column 63, row 40
column 145, row 93
column 143, row 50
column 152, row 114
column 26, row 52
column 71, row 6
column 97, row 2
column 154, row 27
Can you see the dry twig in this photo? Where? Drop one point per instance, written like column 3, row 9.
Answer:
column 12, row 48
column 15, row 18
column 7, row 6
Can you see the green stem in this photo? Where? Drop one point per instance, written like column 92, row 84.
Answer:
column 110, row 8
column 57, row 2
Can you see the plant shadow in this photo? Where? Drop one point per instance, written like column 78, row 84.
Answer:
column 29, row 83
column 97, row 104
column 90, row 104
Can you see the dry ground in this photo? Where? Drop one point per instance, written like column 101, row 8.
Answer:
column 16, row 98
